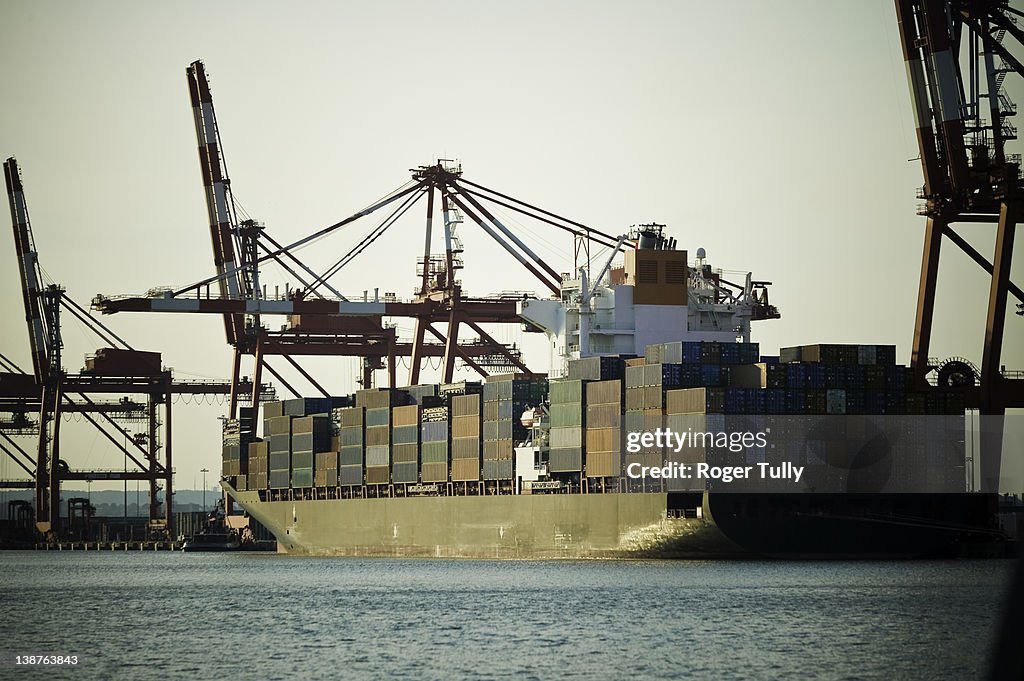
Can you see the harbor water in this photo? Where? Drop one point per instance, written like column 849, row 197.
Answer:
column 255, row 616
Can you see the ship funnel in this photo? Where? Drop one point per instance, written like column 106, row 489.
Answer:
column 648, row 240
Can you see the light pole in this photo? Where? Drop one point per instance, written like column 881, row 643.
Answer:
column 204, row 471
column 125, row 449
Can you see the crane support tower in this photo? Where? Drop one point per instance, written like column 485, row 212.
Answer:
column 124, row 393
column 958, row 56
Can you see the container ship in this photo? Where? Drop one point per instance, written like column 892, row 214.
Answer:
column 540, row 466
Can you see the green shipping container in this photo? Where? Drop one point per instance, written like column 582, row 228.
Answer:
column 566, row 414
column 565, row 391
column 434, row 452
column 302, row 477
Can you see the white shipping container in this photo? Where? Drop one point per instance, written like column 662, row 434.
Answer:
column 378, row 455
column 566, row 437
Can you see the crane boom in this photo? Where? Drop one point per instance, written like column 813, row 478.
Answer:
column 934, row 80
column 28, row 269
column 934, row 178
column 217, row 185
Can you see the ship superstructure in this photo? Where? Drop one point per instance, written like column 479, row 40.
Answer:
column 654, row 296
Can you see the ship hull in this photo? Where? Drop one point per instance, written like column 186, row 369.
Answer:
column 510, row 526
column 921, row 525
column 628, row 526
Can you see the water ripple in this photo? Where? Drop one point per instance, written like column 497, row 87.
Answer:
column 185, row 616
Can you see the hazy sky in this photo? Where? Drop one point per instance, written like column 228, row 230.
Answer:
column 774, row 135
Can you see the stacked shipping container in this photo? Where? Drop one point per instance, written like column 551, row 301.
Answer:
column 450, row 390
column 424, row 395
column 277, row 430
column 405, row 437
column 567, row 420
column 704, row 367
column 601, row 417
column 259, row 465
column 310, row 435
column 644, row 398
column 505, row 398
column 378, row 405
column 434, row 444
column 236, row 434
column 823, row 380
column 351, row 433
column 604, row 428
column 294, row 441
column 325, row 469
column 466, row 430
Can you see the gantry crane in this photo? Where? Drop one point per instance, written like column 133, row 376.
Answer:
column 957, row 61
column 51, row 392
column 322, row 321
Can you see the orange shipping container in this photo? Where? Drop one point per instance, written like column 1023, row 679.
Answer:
column 466, row 426
column 603, row 439
column 604, row 392
column 434, row 472
column 465, row 405
column 465, row 470
column 379, row 435
column 498, row 450
column 408, row 415
column 603, row 464
column 604, row 416
column 351, row 416
column 378, row 475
